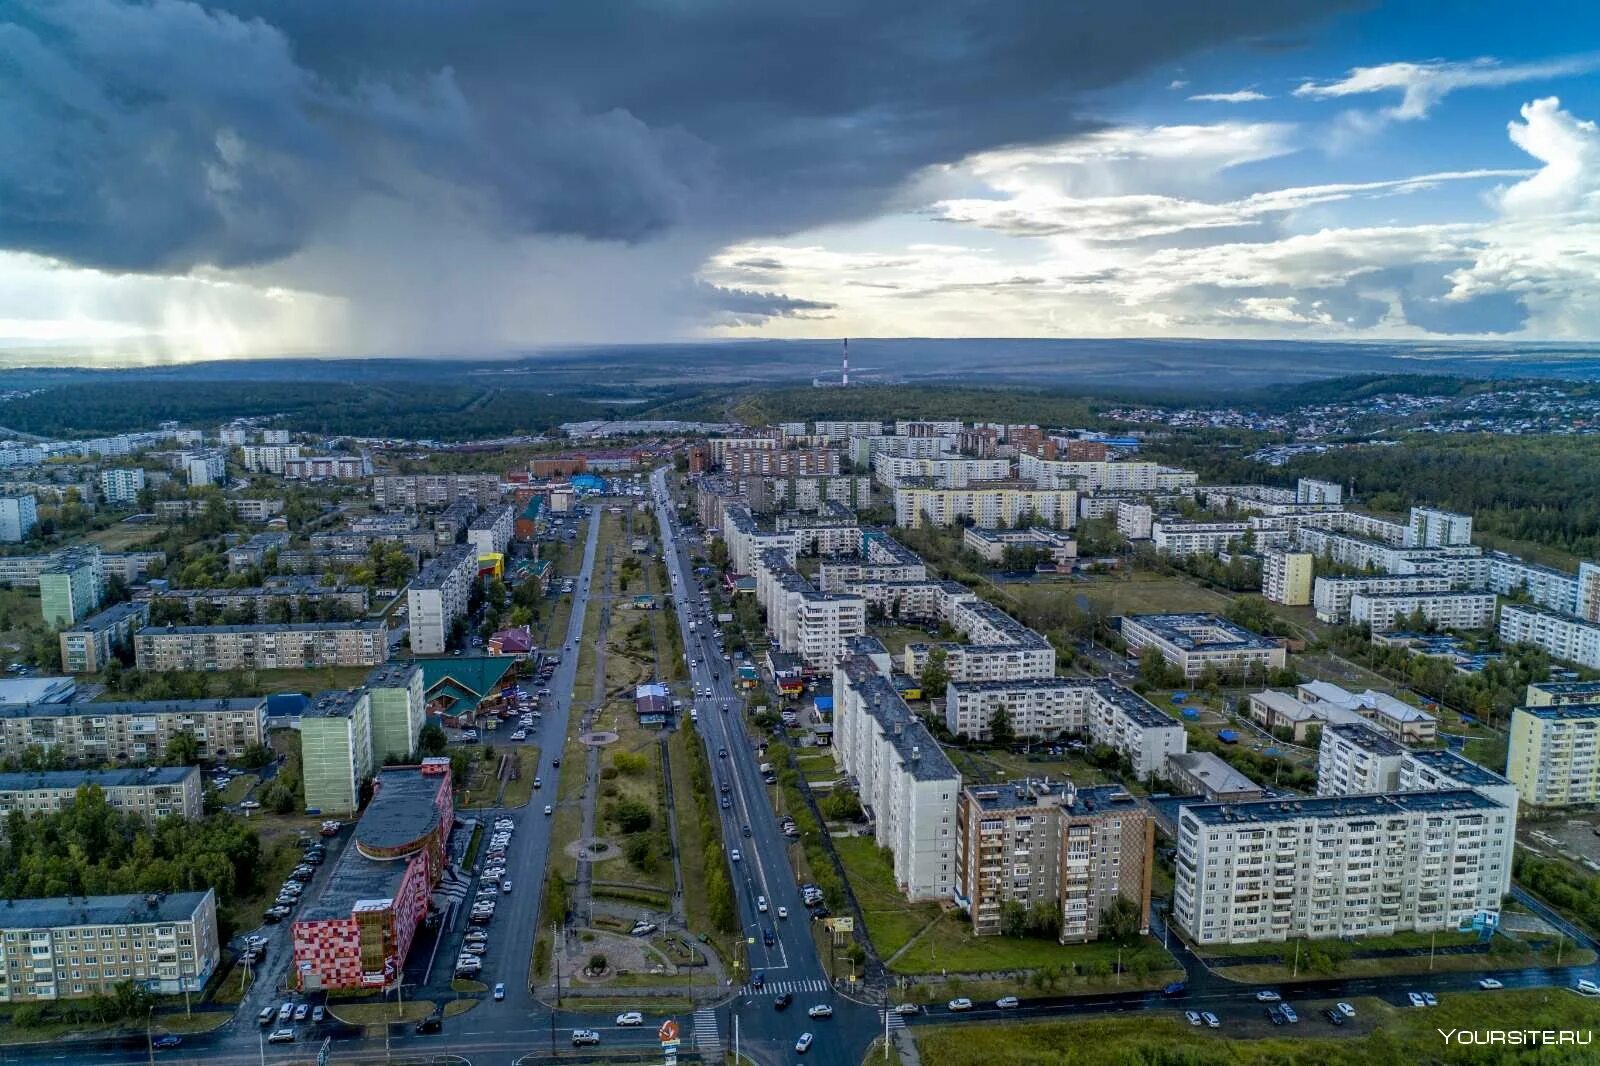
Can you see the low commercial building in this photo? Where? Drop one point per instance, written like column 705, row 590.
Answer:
column 336, row 749
column 69, row 947
column 1192, row 642
column 151, row 793
column 1553, row 755
column 1286, row 576
column 1202, row 773
column 358, row 931
column 1038, row 843
column 991, row 544
column 1565, row 637
column 1446, row 610
column 292, row 646
column 903, row 777
column 1392, row 717
column 1339, row 866
column 133, row 731
column 88, row 647
column 437, row 597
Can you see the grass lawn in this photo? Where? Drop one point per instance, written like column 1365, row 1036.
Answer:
column 199, row 1022
column 124, row 535
column 891, row 921
column 895, row 638
column 568, row 815
column 459, row 1006
column 1380, row 1034
column 950, row 945
column 1367, row 945
column 643, row 786
column 1138, row 593
column 239, row 787
column 19, row 613
column 380, row 1013
column 693, row 847
column 519, row 788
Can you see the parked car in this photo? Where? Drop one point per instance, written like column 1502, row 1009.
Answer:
column 1275, row 1016
column 1333, row 1016
column 265, row 1016
column 318, row 1013
column 1416, row 999
column 1267, row 996
column 302, row 1012
column 1345, row 1009
column 286, row 1011
column 1289, row 1015
column 1193, row 1017
column 1490, row 983
column 959, row 1004
column 1587, row 988
column 1212, row 1021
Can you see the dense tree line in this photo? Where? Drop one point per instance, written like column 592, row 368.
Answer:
column 1044, row 407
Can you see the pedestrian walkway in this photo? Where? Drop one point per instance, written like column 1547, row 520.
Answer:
column 707, row 1036
column 777, row 988
column 895, row 1020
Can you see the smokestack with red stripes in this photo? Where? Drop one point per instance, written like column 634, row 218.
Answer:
column 844, row 370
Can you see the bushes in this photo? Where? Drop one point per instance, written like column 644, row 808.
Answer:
column 1561, row 886
column 630, row 763
column 630, row 815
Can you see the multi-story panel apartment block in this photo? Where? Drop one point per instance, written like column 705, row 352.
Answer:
column 1355, row 759
column 289, row 646
column 1102, row 476
column 991, row 504
column 1286, row 576
column 71, row 585
column 1331, row 596
column 336, row 749
column 1032, row 843
column 1136, row 521
column 203, row 468
column 267, row 603
column 1196, row 538
column 1553, row 755
column 1441, row 770
column 1432, row 528
column 1561, row 693
column 358, row 931
column 450, row 523
column 89, row 645
column 901, row 773
column 927, row 427
column 831, row 533
column 75, row 947
column 842, row 431
column 782, row 462
column 1191, row 642
column 399, row 709
column 950, row 472
column 269, row 458
column 1339, row 866
column 768, row 494
column 1563, row 636
column 1588, row 592
column 747, row 542
column 862, row 449
column 252, row 554
column 1544, row 585
column 439, row 595
column 814, row 625
column 1447, row 610
column 1311, row 490
column 991, row 544
column 134, row 731
column 151, row 793
column 255, row 508
column 327, row 467
column 490, row 532
column 426, row 492
column 18, row 515
column 121, row 486
column 997, row 647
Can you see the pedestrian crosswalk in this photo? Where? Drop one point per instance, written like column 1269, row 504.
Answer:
column 777, row 988
column 707, row 1037
column 895, row 1020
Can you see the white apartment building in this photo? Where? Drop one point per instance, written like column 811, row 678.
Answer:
column 1553, row 759
column 1331, row 596
column 862, row 449
column 903, row 777
column 205, row 468
column 1312, row 490
column 437, row 596
column 996, row 503
column 1195, row 538
column 72, row 948
column 1447, row 610
column 1103, row 475
column 1589, row 592
column 991, row 544
column 18, row 515
column 1442, row 770
column 1286, row 577
column 997, row 647
column 122, row 485
column 490, row 532
column 287, row 646
column 1432, row 528
column 950, row 472
column 325, row 467
column 1136, row 521
column 1339, row 866
column 1191, row 642
column 1567, row 638
column 927, row 427
column 1355, row 759
column 1545, row 586
column 269, row 458
column 747, row 541
column 840, row 431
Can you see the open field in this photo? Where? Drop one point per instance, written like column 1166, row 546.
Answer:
column 519, row 788
column 891, row 921
column 123, row 536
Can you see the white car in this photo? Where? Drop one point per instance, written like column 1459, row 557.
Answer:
column 1008, row 1002
column 960, row 1004
column 549, row 809
column 1587, row 988
column 521, row 734
column 631, row 1017
column 1345, row 1009
column 1490, row 983
column 1267, row 996
column 821, row 1010
column 735, row 856
column 1193, row 1017
column 1416, row 999
column 761, row 904
column 783, row 912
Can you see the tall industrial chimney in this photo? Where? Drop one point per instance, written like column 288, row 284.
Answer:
column 844, row 369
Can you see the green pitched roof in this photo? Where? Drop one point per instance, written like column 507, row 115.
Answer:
column 469, row 676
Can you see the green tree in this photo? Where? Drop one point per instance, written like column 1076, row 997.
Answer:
column 1001, row 732
column 431, row 740
column 935, row 674
column 182, row 750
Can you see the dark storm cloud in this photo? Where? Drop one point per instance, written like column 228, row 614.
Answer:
column 165, row 134
column 733, row 306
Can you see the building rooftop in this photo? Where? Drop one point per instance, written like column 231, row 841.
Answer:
column 1213, row 772
column 1560, row 689
column 56, row 912
column 268, row 627
column 1031, row 793
column 1195, row 631
column 29, row 780
column 402, row 812
column 1568, row 712
column 1366, row 738
column 84, row 708
column 112, row 617
column 442, row 566
column 1370, row 806
column 919, row 753
column 1458, row 767
column 1380, row 703
column 396, row 673
column 333, row 703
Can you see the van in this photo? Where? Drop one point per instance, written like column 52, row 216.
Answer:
column 766, row 768
column 264, row 1018
column 694, row 716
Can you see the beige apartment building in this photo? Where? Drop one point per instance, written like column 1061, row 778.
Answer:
column 132, row 731
column 299, row 646
column 151, row 793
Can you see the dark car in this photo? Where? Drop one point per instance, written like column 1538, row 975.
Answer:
column 431, row 1024
column 767, row 937
column 758, row 979
column 783, row 1001
column 1333, row 1016
column 1275, row 1016
column 163, row 1043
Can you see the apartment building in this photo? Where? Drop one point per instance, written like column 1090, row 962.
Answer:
column 1339, row 866
column 255, row 508
column 844, row 430
column 424, row 492
column 1312, row 490
column 151, row 793
column 903, row 777
column 69, row 947
column 204, row 468
column 997, row 647
column 833, row 532
column 801, row 493
column 287, row 646
column 357, row 932
column 327, row 467
column 1033, row 843
column 1355, row 759
column 1192, row 642
column 1135, row 521
column 1546, row 586
column 336, row 749
column 1286, row 576
column 71, row 585
column 269, row 458
column 928, row 427
column 439, row 595
column 1561, row 693
column 747, row 542
column 263, row 604
column 1589, row 592
column 1442, row 770
column 991, row 544
column 490, row 532
column 450, row 523
column 947, row 472
column 991, row 504
column 398, row 709
column 862, row 449
column 1047, row 708
column 18, row 515
column 804, row 621
column 252, row 554
column 1331, row 596
column 132, row 731
column 1103, row 475
column 1447, row 610
column 120, row 486
column 782, row 462
column 88, row 646
column 1553, row 754
column 1433, row 528
column 1565, row 637
column 1196, row 538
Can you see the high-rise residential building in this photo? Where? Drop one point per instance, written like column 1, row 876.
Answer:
column 490, row 531
column 1553, row 754
column 71, row 585
column 1331, row 596
column 992, row 504
column 1340, row 866
column 326, row 467
column 151, row 793
column 1037, row 843
column 1355, row 759
column 399, row 709
column 1286, row 577
column 122, row 485
column 205, row 468
column 18, row 515
column 1433, row 528
column 1588, row 591
column 438, row 595
column 1311, row 490
column 336, row 749
column 74, row 947
column 269, row 458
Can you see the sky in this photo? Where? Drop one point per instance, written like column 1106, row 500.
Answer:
column 186, row 180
